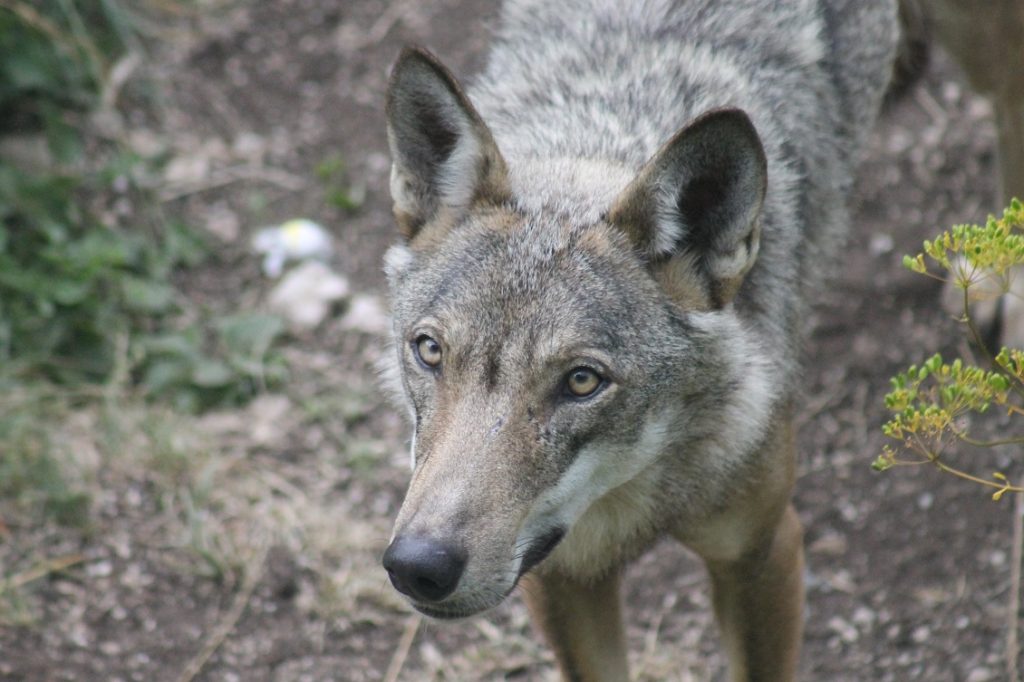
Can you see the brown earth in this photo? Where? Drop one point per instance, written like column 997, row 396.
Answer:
column 908, row 571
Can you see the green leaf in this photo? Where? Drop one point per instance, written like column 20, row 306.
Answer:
column 63, row 139
column 146, row 296
column 212, row 374
column 999, row 382
column 164, row 374
column 102, row 248
column 249, row 336
column 184, row 345
column 69, row 292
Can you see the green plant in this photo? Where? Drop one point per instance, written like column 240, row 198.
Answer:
column 91, row 308
column 338, row 191
column 87, row 262
column 232, row 364
column 33, row 475
column 929, row 403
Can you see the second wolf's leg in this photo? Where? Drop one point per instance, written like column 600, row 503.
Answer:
column 582, row 622
column 987, row 40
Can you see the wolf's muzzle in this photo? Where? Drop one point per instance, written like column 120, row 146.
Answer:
column 426, row 570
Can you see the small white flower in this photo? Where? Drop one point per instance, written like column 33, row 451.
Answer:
column 294, row 240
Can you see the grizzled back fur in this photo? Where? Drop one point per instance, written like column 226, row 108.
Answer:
column 612, row 80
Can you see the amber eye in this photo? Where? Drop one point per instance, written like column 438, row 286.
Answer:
column 582, row 382
column 428, row 351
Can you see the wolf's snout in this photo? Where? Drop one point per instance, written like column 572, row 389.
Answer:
column 424, row 569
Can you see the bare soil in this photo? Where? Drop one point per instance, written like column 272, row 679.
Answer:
column 908, row 571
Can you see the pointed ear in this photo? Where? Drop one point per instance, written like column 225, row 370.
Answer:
column 696, row 206
column 443, row 156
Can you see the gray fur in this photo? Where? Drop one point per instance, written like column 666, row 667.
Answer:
column 567, row 150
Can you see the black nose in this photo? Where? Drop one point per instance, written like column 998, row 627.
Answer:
column 424, row 569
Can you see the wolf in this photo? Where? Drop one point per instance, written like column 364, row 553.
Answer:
column 608, row 248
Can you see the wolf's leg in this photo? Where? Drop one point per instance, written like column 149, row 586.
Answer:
column 582, row 622
column 1009, row 110
column 758, row 601
column 753, row 548
column 986, row 39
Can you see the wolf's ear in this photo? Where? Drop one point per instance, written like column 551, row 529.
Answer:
column 443, row 156
column 696, row 205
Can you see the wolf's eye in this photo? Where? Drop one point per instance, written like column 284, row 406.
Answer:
column 583, row 382
column 428, row 351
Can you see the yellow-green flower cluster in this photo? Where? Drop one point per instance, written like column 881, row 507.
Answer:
column 927, row 400
column 988, row 250
column 929, row 403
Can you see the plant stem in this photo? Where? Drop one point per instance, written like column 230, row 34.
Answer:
column 989, row 443
column 942, row 466
column 1013, row 608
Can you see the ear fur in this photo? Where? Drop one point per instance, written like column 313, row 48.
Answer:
column 697, row 203
column 444, row 157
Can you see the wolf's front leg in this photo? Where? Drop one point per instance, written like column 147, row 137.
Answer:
column 758, row 601
column 582, row 622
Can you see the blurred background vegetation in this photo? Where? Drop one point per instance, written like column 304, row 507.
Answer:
column 91, row 306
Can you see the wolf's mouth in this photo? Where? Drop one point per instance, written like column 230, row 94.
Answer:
column 441, row 614
column 539, row 549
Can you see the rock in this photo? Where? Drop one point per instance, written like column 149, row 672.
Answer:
column 250, row 147
column 99, row 569
column 847, row 632
column 187, row 169
column 222, row 222
column 367, row 314
column 269, row 419
column 305, row 295
column 881, row 244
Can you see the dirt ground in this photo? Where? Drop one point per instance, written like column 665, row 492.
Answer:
column 908, row 571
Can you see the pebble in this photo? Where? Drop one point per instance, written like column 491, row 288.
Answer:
column 863, row 616
column 110, row 648
column 305, row 295
column 367, row 314
column 847, row 632
column 99, row 569
column 980, row 675
column 881, row 244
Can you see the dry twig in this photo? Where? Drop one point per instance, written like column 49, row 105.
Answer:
column 41, row 571
column 231, row 175
column 228, row 621
column 402, row 651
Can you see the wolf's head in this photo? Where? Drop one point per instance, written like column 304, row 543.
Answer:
column 549, row 357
